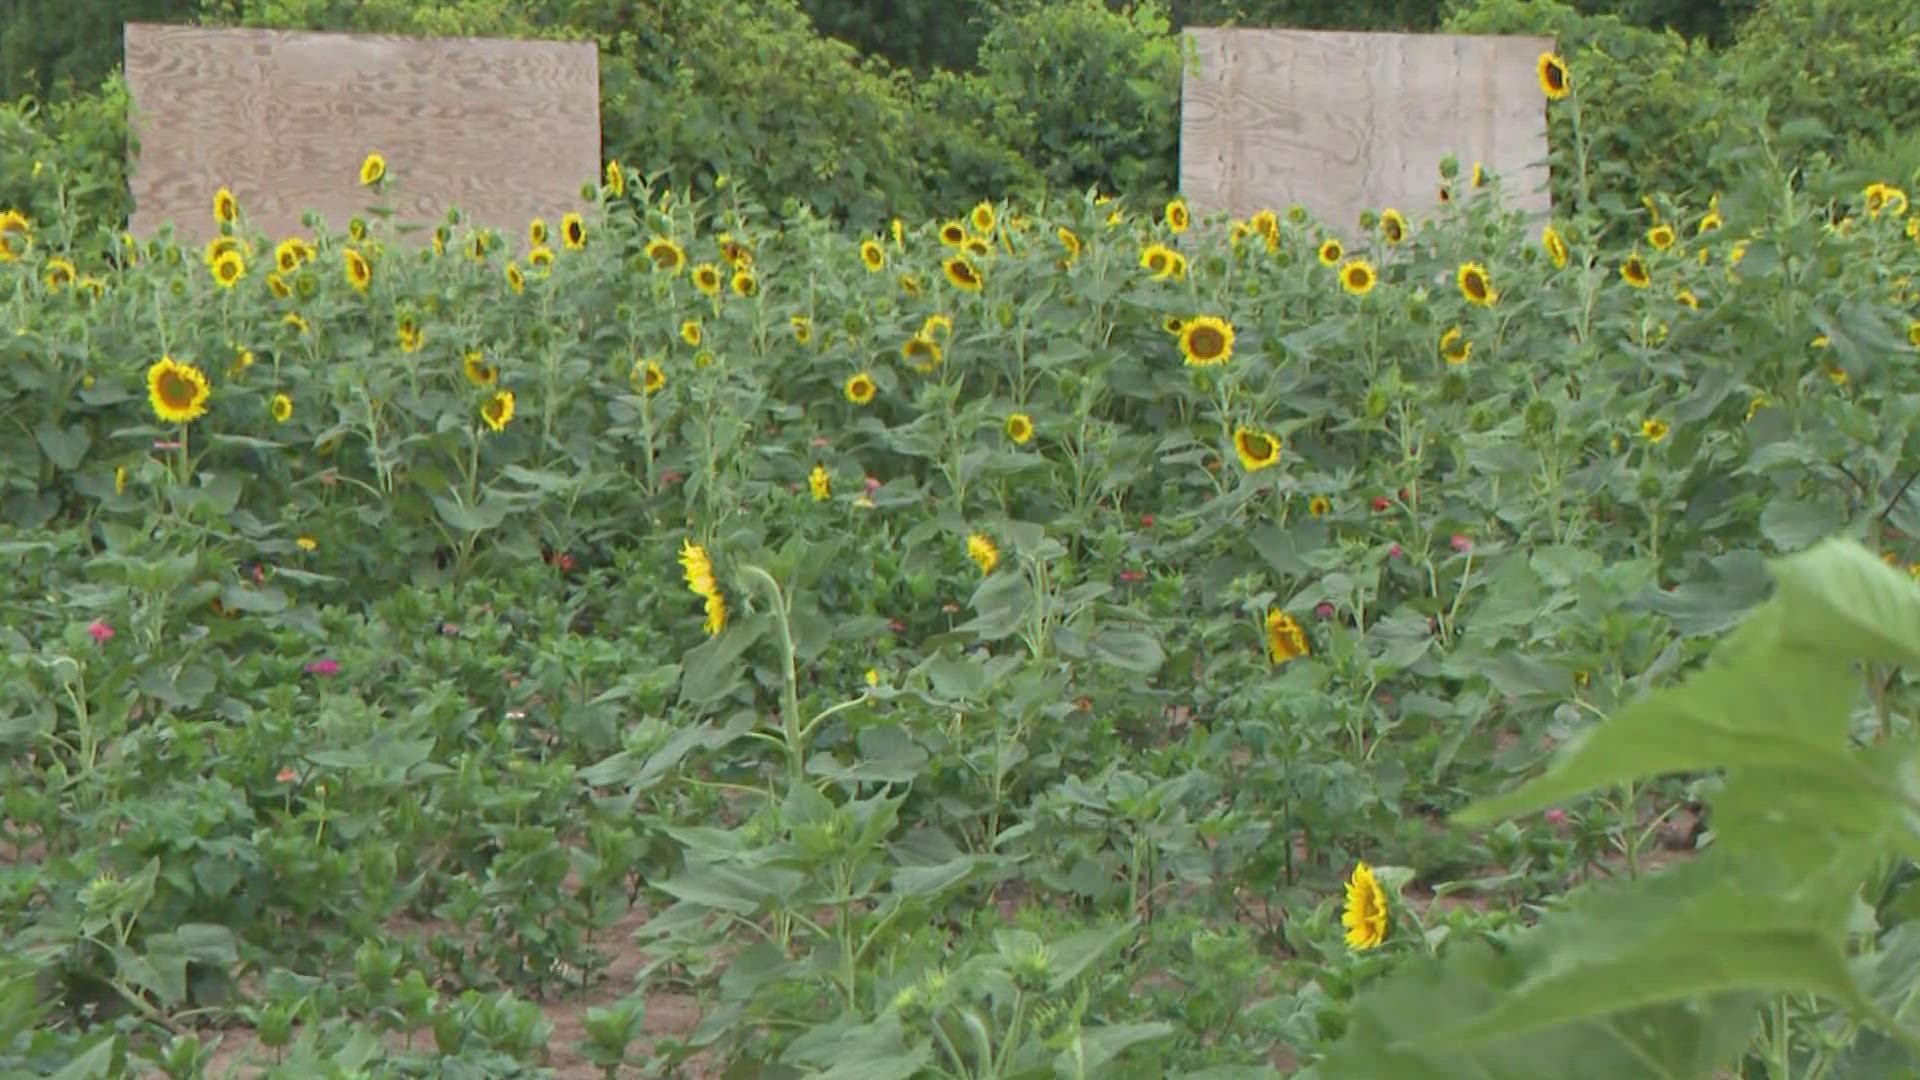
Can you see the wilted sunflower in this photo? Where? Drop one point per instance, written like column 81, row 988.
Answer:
column 1178, row 217
column 667, row 256
column 1454, row 347
column 516, row 280
column 226, row 208
column 573, row 232
column 690, row 332
column 1365, row 917
column 962, row 274
column 498, row 411
column 373, row 169
column 616, row 180
column 359, row 270
column 1158, row 260
column 229, row 269
column 1206, row 340
column 734, row 253
column 1393, row 227
column 1020, row 428
column 60, row 274
column 983, row 218
column 1357, row 277
column 1556, row 246
column 1634, row 272
column 1475, row 285
column 873, row 256
column 1069, row 241
column 541, row 260
column 953, row 234
column 178, row 392
column 1285, row 640
column 16, row 235
column 1331, row 252
column 706, row 278
column 820, row 483
column 860, row 389
column 1660, row 237
column 1319, row 506
column 1552, row 71
column 984, row 554
column 280, row 408
column 1654, row 429
column 478, row 372
column 923, row 353
column 745, row 284
column 1256, row 449
column 537, row 232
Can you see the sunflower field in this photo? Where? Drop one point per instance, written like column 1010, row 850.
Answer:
column 1080, row 639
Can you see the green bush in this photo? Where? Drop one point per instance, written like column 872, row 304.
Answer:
column 1855, row 68
column 65, row 164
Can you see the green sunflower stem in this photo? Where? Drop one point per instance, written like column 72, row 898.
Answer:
column 792, row 731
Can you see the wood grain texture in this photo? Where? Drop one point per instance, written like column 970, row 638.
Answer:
column 504, row 130
column 1345, row 122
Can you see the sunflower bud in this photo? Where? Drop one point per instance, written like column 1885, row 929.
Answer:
column 1297, row 214
column 1449, row 167
column 1368, row 219
column 1378, row 398
column 1649, row 487
column 588, row 190
column 1539, row 415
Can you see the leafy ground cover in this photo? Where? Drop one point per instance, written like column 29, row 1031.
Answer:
column 1050, row 641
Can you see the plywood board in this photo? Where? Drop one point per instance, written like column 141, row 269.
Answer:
column 505, row 130
column 1345, row 122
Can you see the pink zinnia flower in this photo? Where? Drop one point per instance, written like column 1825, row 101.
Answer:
column 328, row 666
column 1556, row 816
column 1324, row 609
column 873, row 484
column 1461, row 543
column 1394, row 552
column 102, row 633
column 1146, row 521
column 286, row 776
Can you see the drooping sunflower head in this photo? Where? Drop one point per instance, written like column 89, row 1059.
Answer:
column 373, row 169
column 1357, row 277
column 1552, row 71
column 923, row 353
column 981, row 549
column 1556, row 246
column 573, row 232
column 616, row 184
column 1365, row 915
column 359, row 271
column 820, row 483
column 277, row 285
column 745, row 283
column 667, row 256
column 1285, row 640
column 962, row 274
column 697, row 566
column 1331, row 252
column 1653, row 429
column 541, row 260
column 860, row 389
column 16, row 235
column 226, row 208
column 498, row 411
column 1069, row 242
column 229, row 269
column 516, row 280
column 1687, row 299
column 1178, row 217
column 983, row 218
column 1455, row 349
column 177, row 392
column 478, row 372
column 873, row 256
column 706, row 278
column 1393, row 227
column 1475, row 284
column 1256, row 449
column 280, row 408
column 1660, row 237
column 1634, row 272
column 1019, row 428
column 1206, row 340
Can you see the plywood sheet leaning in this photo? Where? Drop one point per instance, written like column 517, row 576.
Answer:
column 505, row 130
column 1345, row 122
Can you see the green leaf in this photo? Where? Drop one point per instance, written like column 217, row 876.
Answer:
column 1130, row 650
column 936, row 879
column 487, row 515
column 65, row 447
column 712, row 669
column 1843, row 602
column 1791, row 525
column 1074, row 954
column 1092, row 1048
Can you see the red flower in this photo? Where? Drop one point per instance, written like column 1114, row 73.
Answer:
column 1380, row 502
column 286, row 776
column 324, row 667
column 102, row 633
column 1132, row 577
column 1146, row 521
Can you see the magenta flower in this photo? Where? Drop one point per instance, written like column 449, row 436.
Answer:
column 1323, row 609
column 1394, row 552
column 1556, row 816
column 166, row 444
column 102, row 633
column 328, row 666
column 1461, row 544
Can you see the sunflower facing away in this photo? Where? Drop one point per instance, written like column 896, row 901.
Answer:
column 1020, row 428
column 359, row 270
column 706, row 278
column 1634, row 272
column 372, row 170
column 1475, row 285
column 1393, row 227
column 1454, row 347
column 1206, row 340
column 498, row 411
column 1177, row 216
column 923, row 353
column 616, row 180
column 280, row 408
column 226, row 208
column 1365, row 917
column 1285, row 640
column 573, row 232
column 178, row 392
column 983, row 553
column 1331, row 252
column 819, row 483
column 697, row 566
column 478, row 372
column 1256, row 449
column 1556, row 246
column 1357, row 277
column 666, row 255
column 962, row 274
column 860, row 389
column 873, row 256
column 1552, row 71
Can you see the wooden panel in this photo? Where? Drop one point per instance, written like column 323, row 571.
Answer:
column 505, row 130
column 1345, row 122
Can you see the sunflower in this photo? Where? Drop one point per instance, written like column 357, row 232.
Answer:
column 690, row 332
column 1285, row 640
column 573, row 232
column 1454, row 347
column 1654, row 429
column 16, row 233
column 537, row 232
column 910, row 284
column 983, row 218
column 1479, row 175
column 498, row 411
column 1365, row 917
column 1206, row 341
column 616, row 180
column 1319, row 506
column 373, row 169
column 1020, row 428
column 410, row 335
column 60, row 274
column 1069, row 241
column 541, row 260
column 119, row 479
column 277, row 285
column 357, row 230
column 820, row 483
column 1552, row 71
column 1357, row 277
column 226, row 208
column 899, row 230
column 359, row 270
column 666, row 255
column 873, row 256
column 745, row 284
column 1331, row 252
column 1884, row 198
column 1660, row 237
column 440, row 236
column 292, row 253
column 478, row 372
column 860, row 389
column 1177, row 216
column 953, row 234
column 1634, row 272
column 984, row 554
column 716, row 620
column 706, row 278
column 938, row 326
column 1393, row 227
column 178, row 392
column 977, row 247
column 1475, row 285
column 923, row 353
column 242, row 360
column 280, row 408
column 1913, row 334
column 1556, row 246
column 1686, row 298
column 697, row 566
column 478, row 246
column 1173, row 324
column 297, row 324
column 1711, row 222
column 802, row 328
column 962, row 274
column 1158, row 260
column 516, row 280
column 230, row 268
column 1256, row 449
column 734, row 253
column 704, row 358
